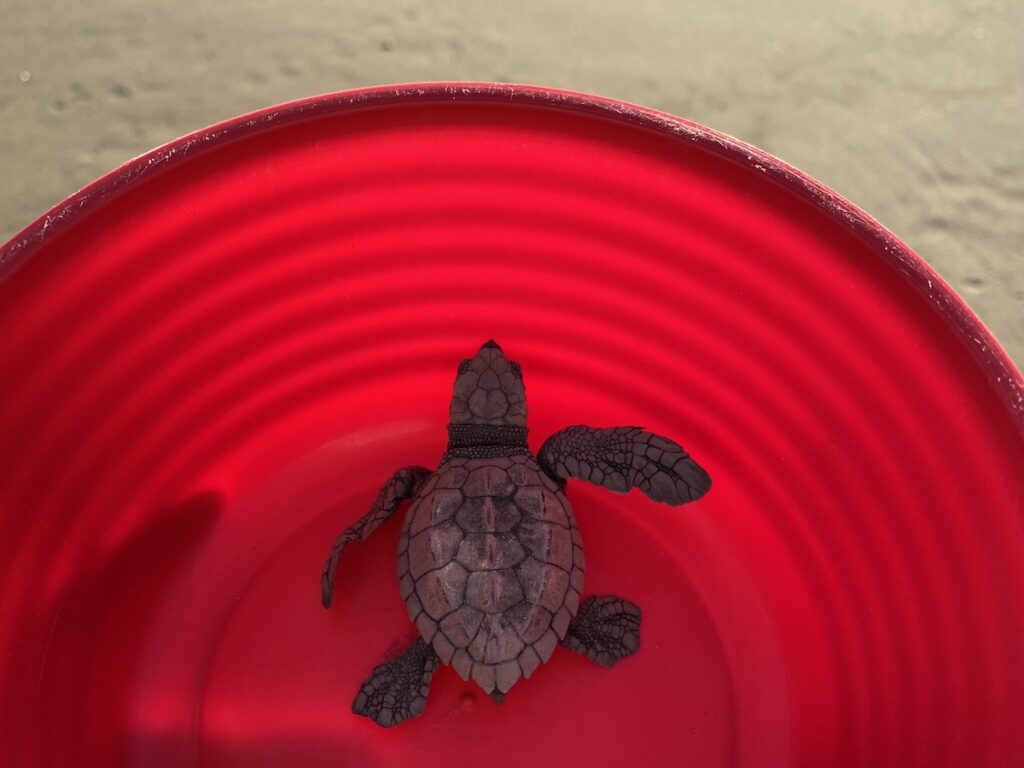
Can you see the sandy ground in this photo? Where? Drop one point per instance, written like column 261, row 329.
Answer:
column 914, row 110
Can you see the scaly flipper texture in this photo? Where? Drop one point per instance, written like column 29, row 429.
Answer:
column 620, row 458
column 404, row 484
column 397, row 689
column 606, row 629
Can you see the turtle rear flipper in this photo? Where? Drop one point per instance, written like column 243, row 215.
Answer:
column 606, row 629
column 621, row 458
column 397, row 689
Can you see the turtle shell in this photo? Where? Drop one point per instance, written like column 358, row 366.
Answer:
column 490, row 564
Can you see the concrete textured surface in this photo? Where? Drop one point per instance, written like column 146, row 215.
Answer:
column 912, row 110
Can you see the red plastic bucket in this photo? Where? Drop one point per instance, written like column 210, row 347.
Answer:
column 213, row 356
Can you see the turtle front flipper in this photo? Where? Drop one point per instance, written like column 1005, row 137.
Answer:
column 620, row 458
column 397, row 689
column 404, row 484
column 606, row 629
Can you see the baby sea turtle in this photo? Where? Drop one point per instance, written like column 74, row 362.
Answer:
column 490, row 561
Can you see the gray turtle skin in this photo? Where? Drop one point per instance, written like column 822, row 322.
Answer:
column 490, row 559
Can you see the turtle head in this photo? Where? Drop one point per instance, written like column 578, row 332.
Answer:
column 489, row 390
